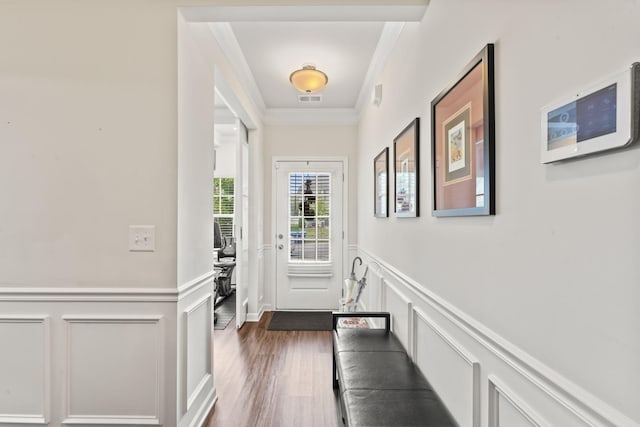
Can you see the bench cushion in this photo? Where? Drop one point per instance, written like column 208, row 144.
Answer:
column 390, row 370
column 365, row 340
column 379, row 383
column 395, row 408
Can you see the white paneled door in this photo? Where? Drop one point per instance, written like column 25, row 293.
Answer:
column 309, row 234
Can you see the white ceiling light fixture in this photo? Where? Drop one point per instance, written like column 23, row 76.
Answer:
column 308, row 79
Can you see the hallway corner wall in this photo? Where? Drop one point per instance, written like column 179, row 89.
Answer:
column 553, row 274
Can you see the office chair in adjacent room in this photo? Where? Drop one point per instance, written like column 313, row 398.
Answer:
column 225, row 263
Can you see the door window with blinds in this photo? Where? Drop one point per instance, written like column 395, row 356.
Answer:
column 223, row 204
column 309, row 218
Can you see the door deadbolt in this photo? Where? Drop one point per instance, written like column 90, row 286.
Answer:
column 280, row 236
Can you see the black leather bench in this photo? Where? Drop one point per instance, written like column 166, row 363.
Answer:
column 378, row 382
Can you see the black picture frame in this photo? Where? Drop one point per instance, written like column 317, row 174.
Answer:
column 406, row 171
column 463, row 141
column 381, row 184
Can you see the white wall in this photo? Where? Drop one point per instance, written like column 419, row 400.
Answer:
column 88, row 147
column 88, row 135
column 554, row 273
column 196, row 87
column 202, row 67
column 106, row 121
column 195, row 155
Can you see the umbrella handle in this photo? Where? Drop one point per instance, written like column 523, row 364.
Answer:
column 353, row 266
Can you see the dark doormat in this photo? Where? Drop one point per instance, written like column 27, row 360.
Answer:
column 225, row 311
column 301, row 321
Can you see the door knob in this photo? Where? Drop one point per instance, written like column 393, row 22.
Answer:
column 280, row 246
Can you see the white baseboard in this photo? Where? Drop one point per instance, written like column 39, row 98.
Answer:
column 255, row 317
column 204, row 410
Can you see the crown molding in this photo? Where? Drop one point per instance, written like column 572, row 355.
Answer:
column 393, row 16
column 275, row 116
column 412, row 11
column 223, row 33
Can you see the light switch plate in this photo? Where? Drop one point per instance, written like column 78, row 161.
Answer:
column 142, row 238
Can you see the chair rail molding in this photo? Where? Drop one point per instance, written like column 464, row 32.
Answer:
column 66, row 294
column 194, row 285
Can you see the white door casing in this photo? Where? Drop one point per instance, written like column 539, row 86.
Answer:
column 309, row 233
column 241, row 223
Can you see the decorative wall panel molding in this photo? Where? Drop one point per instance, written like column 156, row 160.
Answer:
column 197, row 350
column 399, row 305
column 91, row 356
column 372, row 296
column 194, row 342
column 453, row 371
column 499, row 394
column 25, row 369
column 109, row 359
column 555, row 394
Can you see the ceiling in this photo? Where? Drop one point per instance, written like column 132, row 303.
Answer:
column 343, row 50
column 349, row 43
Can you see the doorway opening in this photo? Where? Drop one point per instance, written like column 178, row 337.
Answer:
column 230, row 213
column 309, row 224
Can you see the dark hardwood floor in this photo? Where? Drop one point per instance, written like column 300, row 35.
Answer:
column 272, row 378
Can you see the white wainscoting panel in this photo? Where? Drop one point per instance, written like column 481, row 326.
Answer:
column 399, row 306
column 195, row 379
column 90, row 356
column 197, row 325
column 452, row 371
column 450, row 346
column 109, row 359
column 506, row 409
column 372, row 295
column 25, row 391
